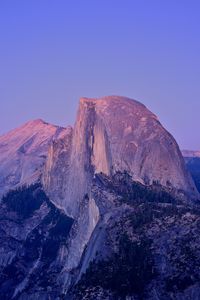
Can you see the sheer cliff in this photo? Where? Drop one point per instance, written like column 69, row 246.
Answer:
column 118, row 134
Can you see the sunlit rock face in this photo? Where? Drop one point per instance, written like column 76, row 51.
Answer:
column 23, row 153
column 127, row 136
column 115, row 134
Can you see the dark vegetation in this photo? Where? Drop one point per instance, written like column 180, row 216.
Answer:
column 25, row 200
column 126, row 272
column 146, row 213
column 188, row 266
column 134, row 192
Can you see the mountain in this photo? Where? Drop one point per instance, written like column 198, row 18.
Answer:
column 190, row 153
column 23, row 153
column 111, row 134
column 117, row 134
column 192, row 160
column 108, row 209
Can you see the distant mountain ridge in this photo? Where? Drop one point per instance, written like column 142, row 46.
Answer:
column 190, row 153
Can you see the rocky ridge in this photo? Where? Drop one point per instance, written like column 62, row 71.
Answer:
column 23, row 152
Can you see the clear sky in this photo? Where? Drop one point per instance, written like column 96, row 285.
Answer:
column 52, row 52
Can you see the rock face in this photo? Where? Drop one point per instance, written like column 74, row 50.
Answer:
column 23, row 153
column 115, row 134
column 122, row 134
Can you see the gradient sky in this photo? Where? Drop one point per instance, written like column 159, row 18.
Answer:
column 52, row 52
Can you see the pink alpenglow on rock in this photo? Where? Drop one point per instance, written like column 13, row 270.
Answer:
column 23, row 153
column 119, row 134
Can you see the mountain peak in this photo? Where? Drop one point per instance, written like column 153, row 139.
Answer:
column 36, row 122
column 111, row 98
column 23, row 152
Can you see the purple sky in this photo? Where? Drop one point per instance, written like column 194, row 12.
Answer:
column 53, row 52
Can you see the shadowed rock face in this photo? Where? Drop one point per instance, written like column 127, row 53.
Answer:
column 115, row 134
column 192, row 160
column 145, row 246
column 33, row 249
column 23, row 152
